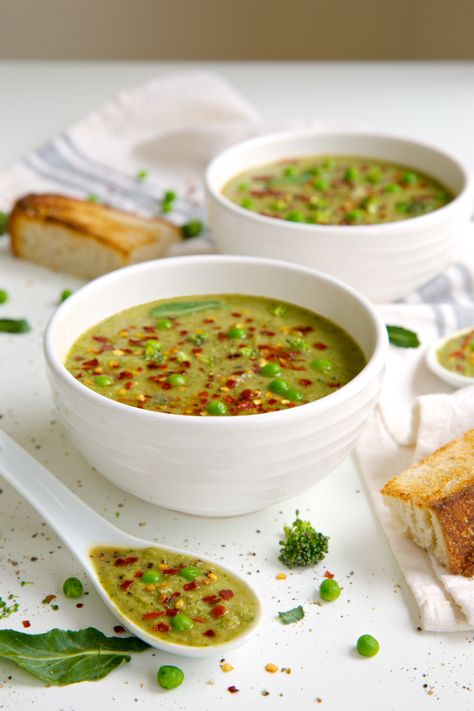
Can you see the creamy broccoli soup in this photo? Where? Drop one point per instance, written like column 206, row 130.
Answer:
column 337, row 190
column 224, row 354
column 176, row 597
column 457, row 354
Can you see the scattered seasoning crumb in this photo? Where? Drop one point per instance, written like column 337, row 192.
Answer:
column 7, row 610
column 226, row 667
column 25, row 582
column 272, row 668
column 55, row 607
column 265, row 693
column 281, row 576
column 80, row 604
column 319, row 700
column 232, row 689
column 49, row 598
column 210, row 682
column 328, row 574
column 118, row 629
column 286, row 670
column 26, row 623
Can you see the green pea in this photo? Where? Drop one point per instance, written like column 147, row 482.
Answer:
column 237, row 332
column 278, row 386
column 278, row 205
column 321, row 184
column 322, row 364
column 151, row 576
column 176, row 379
column 216, row 407
column 182, row 622
column 374, row 175
column 402, row 207
column 410, row 178
column 243, row 187
column 279, row 310
column 170, row 196
column 73, row 588
column 269, row 370
column 153, row 350
column 295, row 216
column 328, row 164
column 3, row 296
column 103, row 381
column 367, row 645
column 329, row 590
column 351, row 174
column 354, row 215
column 290, row 171
column 193, row 228
column 142, row 174
column 248, row 203
column 190, row 572
column 170, row 677
column 163, row 324
column 392, row 188
column 65, row 295
column 293, row 395
column 166, row 207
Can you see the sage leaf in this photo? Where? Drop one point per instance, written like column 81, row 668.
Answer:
column 402, row 337
column 11, row 325
column 291, row 616
column 65, row 657
column 182, row 308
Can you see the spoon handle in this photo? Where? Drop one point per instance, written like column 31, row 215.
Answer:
column 78, row 525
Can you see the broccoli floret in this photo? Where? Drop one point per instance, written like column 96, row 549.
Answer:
column 303, row 545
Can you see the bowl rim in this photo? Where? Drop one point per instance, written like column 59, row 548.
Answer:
column 373, row 367
column 456, row 380
column 401, row 226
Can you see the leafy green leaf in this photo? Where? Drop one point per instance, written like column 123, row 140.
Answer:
column 291, row 616
column 182, row 308
column 402, row 337
column 11, row 325
column 65, row 656
column 4, row 216
column 5, row 609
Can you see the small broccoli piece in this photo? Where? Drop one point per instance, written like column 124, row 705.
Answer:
column 303, row 545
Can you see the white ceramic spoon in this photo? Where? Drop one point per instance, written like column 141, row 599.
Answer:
column 81, row 529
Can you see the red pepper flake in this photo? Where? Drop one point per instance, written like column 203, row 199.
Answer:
column 166, row 386
column 305, row 382
column 161, row 627
column 138, row 574
column 226, row 594
column 101, row 339
column 126, row 584
column 183, row 332
column 208, row 320
column 320, row 346
column 218, row 611
column 153, row 615
column 172, row 612
column 232, row 689
column 268, row 333
column 190, row 586
column 171, row 571
column 231, row 383
column 199, row 619
column 304, row 329
column 125, row 561
column 328, row 574
column 118, row 629
column 93, row 363
column 209, row 633
column 236, row 314
column 211, row 599
column 149, row 329
column 196, row 351
column 80, row 604
column 334, row 385
column 272, row 401
column 128, row 385
column 125, row 374
column 26, row 623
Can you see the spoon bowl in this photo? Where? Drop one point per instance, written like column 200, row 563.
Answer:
column 82, row 529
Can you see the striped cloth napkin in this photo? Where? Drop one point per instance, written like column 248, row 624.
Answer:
column 171, row 127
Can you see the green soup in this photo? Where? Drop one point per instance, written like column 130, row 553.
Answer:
column 176, row 597
column 337, row 190
column 224, row 354
column 457, row 354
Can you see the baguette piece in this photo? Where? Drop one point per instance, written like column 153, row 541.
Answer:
column 85, row 238
column 433, row 501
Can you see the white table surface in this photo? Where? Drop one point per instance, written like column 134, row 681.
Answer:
column 414, row 670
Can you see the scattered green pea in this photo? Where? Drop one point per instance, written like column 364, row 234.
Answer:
column 410, row 178
column 293, row 395
column 290, row 171
column 176, row 379
column 73, row 588
column 374, row 175
column 243, row 187
column 65, row 295
column 351, row 174
column 216, row 407
column 279, row 386
column 354, row 215
column 3, row 296
column 151, row 576
column 278, row 205
column 270, row 370
column 392, row 188
column 170, row 677
column 321, row 184
column 193, row 228
column 367, row 645
column 164, row 324
column 329, row 590
column 322, row 364
column 190, row 572
column 103, row 381
column 170, row 196
column 295, row 216
column 401, row 207
column 236, row 332
column 248, row 203
column 182, row 622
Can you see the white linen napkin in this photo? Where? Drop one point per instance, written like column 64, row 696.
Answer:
column 172, row 126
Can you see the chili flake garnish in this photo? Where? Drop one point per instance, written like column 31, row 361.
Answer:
column 226, row 594
column 209, row 633
column 328, row 574
column 154, row 615
column 126, row 584
column 218, row 611
column 26, row 623
column 161, row 627
column 125, row 561
column 232, row 689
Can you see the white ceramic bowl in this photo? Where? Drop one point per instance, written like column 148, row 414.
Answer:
column 384, row 262
column 214, row 466
column 456, row 380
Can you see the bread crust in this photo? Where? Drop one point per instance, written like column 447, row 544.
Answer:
column 443, row 484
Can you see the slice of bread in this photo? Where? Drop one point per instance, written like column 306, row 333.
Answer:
column 433, row 501
column 85, row 238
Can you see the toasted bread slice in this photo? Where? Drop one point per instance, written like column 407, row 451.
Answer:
column 434, row 502
column 85, row 238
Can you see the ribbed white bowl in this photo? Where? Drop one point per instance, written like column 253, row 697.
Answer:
column 214, row 466
column 384, row 262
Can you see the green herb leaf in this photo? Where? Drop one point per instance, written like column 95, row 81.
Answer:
column 291, row 616
column 11, row 325
column 66, row 657
column 402, row 337
column 3, row 222
column 181, row 308
column 5, row 609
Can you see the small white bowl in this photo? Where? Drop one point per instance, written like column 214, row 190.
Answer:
column 456, row 380
column 384, row 262
column 215, row 466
